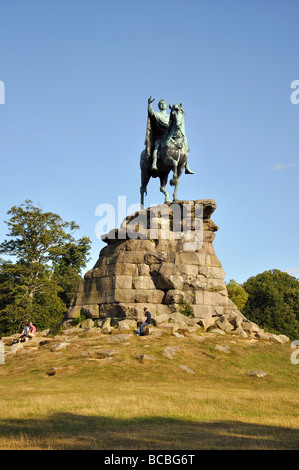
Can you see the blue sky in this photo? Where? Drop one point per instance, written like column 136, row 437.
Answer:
column 77, row 76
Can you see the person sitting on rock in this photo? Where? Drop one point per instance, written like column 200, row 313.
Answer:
column 147, row 321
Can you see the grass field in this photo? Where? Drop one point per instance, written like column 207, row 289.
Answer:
column 92, row 403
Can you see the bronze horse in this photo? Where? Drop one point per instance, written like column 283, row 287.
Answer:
column 172, row 156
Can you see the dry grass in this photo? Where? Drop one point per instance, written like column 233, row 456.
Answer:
column 93, row 404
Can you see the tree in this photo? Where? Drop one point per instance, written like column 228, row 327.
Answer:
column 273, row 302
column 237, row 294
column 44, row 273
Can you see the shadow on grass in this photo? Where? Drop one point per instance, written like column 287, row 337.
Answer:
column 75, row 432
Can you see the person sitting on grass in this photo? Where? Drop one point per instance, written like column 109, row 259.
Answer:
column 147, row 321
column 32, row 330
column 24, row 333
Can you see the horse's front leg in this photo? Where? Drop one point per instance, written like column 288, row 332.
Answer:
column 177, row 180
column 172, row 164
column 142, row 196
column 175, row 169
column 163, row 180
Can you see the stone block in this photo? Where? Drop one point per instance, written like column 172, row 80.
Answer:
column 199, row 297
column 206, row 248
column 88, row 323
column 218, row 311
column 284, row 338
column 90, row 311
column 177, row 316
column 140, row 245
column 148, row 296
column 122, row 282
column 235, row 321
column 123, row 295
column 190, row 258
column 202, row 311
column 143, row 358
column 134, row 257
column 214, row 298
column 211, row 272
column 166, row 245
column 143, row 282
column 239, row 330
column 158, row 319
column 207, row 322
column 166, row 282
column 127, row 324
column 169, row 328
column 74, row 312
column 250, row 327
column 155, row 257
column 143, row 270
column 212, row 261
column 103, row 283
column 262, row 335
column 124, row 269
column 187, row 269
column 174, row 296
column 168, row 309
column 208, row 236
column 217, row 285
column 170, row 351
column 169, row 269
column 224, row 324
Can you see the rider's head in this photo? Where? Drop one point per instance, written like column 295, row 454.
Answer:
column 162, row 104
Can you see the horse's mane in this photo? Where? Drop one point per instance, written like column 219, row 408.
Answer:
column 170, row 131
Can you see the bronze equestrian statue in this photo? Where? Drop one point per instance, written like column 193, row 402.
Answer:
column 166, row 148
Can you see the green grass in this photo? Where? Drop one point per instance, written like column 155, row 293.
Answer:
column 90, row 404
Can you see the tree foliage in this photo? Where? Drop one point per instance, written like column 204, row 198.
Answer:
column 237, row 294
column 273, row 302
column 43, row 267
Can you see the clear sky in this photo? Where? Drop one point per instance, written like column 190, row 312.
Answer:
column 77, row 76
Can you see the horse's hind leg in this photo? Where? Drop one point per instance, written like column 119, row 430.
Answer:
column 163, row 180
column 144, row 181
column 176, row 181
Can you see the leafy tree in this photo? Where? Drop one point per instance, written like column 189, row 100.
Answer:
column 237, row 294
column 39, row 281
column 273, row 302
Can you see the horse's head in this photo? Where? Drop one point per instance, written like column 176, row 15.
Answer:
column 177, row 114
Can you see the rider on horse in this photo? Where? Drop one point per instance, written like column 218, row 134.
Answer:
column 157, row 126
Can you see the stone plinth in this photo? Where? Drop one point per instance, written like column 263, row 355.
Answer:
column 161, row 257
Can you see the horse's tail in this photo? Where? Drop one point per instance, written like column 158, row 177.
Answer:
column 142, row 158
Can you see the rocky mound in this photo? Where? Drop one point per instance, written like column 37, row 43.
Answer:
column 162, row 257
